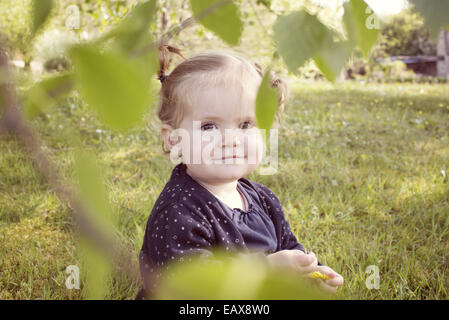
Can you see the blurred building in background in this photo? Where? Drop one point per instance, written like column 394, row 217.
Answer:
column 435, row 66
column 443, row 51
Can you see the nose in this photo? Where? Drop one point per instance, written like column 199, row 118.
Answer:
column 233, row 139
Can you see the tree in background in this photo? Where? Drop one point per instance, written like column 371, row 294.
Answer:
column 405, row 34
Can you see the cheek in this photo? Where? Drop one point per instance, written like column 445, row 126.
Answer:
column 254, row 146
column 194, row 143
column 260, row 148
column 210, row 141
column 205, row 145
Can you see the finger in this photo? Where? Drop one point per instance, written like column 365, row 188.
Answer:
column 314, row 264
column 327, row 287
column 314, row 261
column 311, row 264
column 301, row 259
column 311, row 254
column 307, row 269
column 309, row 274
column 305, row 259
column 327, row 271
column 336, row 282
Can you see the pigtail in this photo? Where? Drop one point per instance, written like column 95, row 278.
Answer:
column 258, row 68
column 280, row 85
column 282, row 88
column 164, row 59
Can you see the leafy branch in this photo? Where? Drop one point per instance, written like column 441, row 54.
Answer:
column 113, row 75
column 13, row 122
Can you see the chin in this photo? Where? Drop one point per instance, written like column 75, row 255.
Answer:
column 226, row 172
column 230, row 172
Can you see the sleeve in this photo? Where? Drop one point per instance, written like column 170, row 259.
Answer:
column 288, row 239
column 173, row 234
column 177, row 232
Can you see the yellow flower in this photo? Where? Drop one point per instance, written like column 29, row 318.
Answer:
column 319, row 275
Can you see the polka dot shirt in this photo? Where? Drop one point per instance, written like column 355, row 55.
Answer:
column 189, row 220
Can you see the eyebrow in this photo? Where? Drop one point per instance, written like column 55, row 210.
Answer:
column 215, row 118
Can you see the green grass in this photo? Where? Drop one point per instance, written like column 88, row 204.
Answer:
column 361, row 179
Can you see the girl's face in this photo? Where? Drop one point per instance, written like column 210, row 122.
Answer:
column 221, row 142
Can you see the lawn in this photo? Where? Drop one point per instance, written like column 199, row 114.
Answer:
column 363, row 179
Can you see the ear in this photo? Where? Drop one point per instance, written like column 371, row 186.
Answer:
column 166, row 131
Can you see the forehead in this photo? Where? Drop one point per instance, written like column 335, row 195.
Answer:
column 222, row 102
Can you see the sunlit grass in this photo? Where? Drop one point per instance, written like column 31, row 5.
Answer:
column 362, row 179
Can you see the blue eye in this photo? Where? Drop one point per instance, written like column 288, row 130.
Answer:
column 208, row 126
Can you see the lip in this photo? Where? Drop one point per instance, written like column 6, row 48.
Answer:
column 231, row 157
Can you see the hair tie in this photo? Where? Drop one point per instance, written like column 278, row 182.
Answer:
column 162, row 77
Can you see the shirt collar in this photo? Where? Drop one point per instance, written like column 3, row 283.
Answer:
column 180, row 171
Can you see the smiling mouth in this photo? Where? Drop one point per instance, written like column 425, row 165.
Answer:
column 232, row 157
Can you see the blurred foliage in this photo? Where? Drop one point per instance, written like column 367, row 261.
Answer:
column 226, row 276
column 96, row 264
column 92, row 190
column 40, row 97
column 405, row 34
column 116, row 88
column 359, row 32
column 97, row 269
column 15, row 26
column 303, row 47
column 109, row 74
column 266, row 104
column 40, row 12
column 391, row 70
column 435, row 15
column 224, row 21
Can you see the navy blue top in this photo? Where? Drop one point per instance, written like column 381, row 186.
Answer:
column 253, row 222
column 188, row 219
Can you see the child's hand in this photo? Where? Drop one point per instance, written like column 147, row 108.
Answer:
column 331, row 285
column 296, row 260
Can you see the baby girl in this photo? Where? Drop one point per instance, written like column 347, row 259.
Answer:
column 207, row 203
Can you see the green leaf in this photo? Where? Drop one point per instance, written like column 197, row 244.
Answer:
column 133, row 37
column 92, row 190
column 149, row 60
column 309, row 38
column 224, row 276
column 332, row 58
column 97, row 269
column 41, row 10
column 115, row 87
column 135, row 27
column 435, row 13
column 266, row 3
column 298, row 37
column 44, row 94
column 93, row 193
column 224, row 20
column 361, row 25
column 266, row 103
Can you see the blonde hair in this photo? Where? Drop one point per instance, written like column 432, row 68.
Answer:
column 207, row 69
